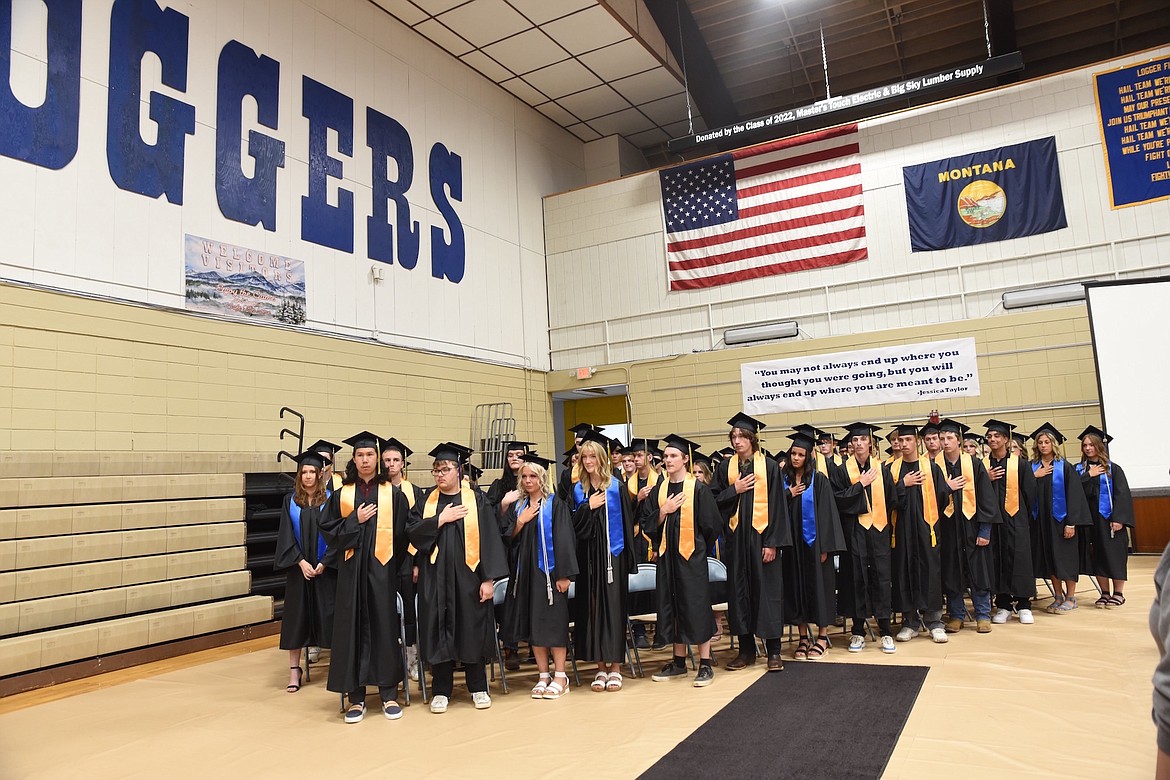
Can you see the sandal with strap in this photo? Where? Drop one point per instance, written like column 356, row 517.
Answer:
column 1116, row 600
column 1103, row 602
column 556, row 689
column 599, row 682
column 294, row 687
column 1068, row 605
column 541, row 686
column 818, row 648
column 1054, row 607
column 614, row 683
column 802, row 649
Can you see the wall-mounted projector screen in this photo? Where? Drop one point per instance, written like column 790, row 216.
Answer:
column 1130, row 330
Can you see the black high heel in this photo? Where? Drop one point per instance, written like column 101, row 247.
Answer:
column 293, row 688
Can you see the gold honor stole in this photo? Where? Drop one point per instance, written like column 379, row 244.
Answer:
column 1011, row 501
column 876, row 516
column 929, row 497
column 759, row 497
column 821, row 465
column 336, row 480
column 470, row 525
column 632, row 483
column 408, row 491
column 968, row 471
column 384, row 533
column 686, row 518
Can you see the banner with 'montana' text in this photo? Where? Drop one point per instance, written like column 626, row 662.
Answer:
column 907, row 372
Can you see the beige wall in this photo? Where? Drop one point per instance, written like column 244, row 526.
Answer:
column 87, row 375
column 1033, row 367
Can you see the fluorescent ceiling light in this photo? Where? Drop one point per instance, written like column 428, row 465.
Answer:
column 1040, row 296
column 765, row 332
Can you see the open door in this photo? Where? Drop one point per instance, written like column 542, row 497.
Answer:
column 606, row 407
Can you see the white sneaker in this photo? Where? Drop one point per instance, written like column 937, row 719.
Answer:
column 314, row 654
column 438, row 704
column 1026, row 617
column 856, row 643
column 907, row 633
column 939, row 635
column 481, row 699
column 412, row 662
column 1001, row 616
column 888, row 644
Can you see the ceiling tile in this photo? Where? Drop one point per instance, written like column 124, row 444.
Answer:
column 584, row 132
column 524, row 91
column 620, row 59
column 623, row 123
column 541, row 11
column 485, row 21
column 403, row 10
column 557, row 114
column 587, row 30
column 649, row 138
column 444, row 37
column 438, row 6
column 562, row 79
column 527, row 51
column 668, row 110
column 648, row 86
column 594, row 102
column 487, row 66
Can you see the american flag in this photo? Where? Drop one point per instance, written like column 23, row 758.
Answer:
column 788, row 205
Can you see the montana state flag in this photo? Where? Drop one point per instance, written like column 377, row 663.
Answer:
column 1002, row 193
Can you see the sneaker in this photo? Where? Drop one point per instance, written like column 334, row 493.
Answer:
column 438, row 704
column 658, row 644
column 705, row 677
column 641, row 642
column 391, row 710
column 887, row 644
column 355, row 713
column 907, row 633
column 856, row 643
column 511, row 660
column 1026, row 617
column 1001, row 616
column 481, row 700
column 939, row 635
column 669, row 672
column 314, row 654
column 412, row 662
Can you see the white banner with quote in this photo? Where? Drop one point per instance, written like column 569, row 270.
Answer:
column 906, row 372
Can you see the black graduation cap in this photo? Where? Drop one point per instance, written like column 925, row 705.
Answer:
column 310, row 458
column 449, row 451
column 569, row 453
column 861, row 429
column 727, row 452
column 1000, row 426
column 394, row 444
column 642, row 445
column 532, row 457
column 679, row 443
column 825, row 436
column 972, row 435
column 323, row 446
column 802, row 439
column 743, row 421
column 930, row 427
column 954, row 426
column 1050, row 429
column 615, row 445
column 473, row 471
column 512, row 446
column 698, row 457
column 1021, row 438
column 905, row 429
column 1094, row 430
column 598, row 438
column 364, row 439
column 580, row 429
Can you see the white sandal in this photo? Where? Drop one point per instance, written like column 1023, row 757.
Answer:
column 614, row 683
column 541, row 686
column 599, row 682
column 556, row 689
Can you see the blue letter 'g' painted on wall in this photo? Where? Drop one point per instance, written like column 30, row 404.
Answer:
column 447, row 260
column 387, row 139
column 138, row 27
column 326, row 109
column 46, row 135
column 241, row 72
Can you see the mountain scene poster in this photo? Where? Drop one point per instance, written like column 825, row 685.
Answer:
column 234, row 281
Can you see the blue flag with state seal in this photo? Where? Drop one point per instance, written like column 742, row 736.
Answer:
column 1003, row 193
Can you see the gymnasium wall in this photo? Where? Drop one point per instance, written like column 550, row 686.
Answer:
column 314, row 130
column 610, row 237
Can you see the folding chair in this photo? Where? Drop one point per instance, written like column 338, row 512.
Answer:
column 499, row 593
column 422, row 670
column 402, row 652
column 571, row 652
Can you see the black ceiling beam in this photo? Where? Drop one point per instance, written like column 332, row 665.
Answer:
column 1001, row 33
column 686, row 42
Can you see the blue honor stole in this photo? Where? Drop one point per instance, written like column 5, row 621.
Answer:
column 294, row 514
column 613, row 515
column 547, row 560
column 808, row 508
column 1104, row 492
column 1059, row 498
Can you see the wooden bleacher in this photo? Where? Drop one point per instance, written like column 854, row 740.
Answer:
column 103, row 553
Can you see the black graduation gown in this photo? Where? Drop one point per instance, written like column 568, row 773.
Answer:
column 1108, row 551
column 1053, row 555
column 565, row 485
column 528, row 616
column 871, row 567
column 365, row 626
column 965, row 564
column 308, row 604
column 755, row 590
column 406, row 574
column 454, row 625
column 1012, row 538
column 682, row 590
column 641, row 532
column 810, row 586
column 600, row 609
column 917, row 562
column 495, row 496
